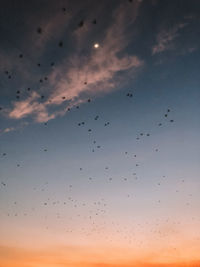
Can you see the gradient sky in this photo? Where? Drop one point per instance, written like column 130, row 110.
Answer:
column 99, row 146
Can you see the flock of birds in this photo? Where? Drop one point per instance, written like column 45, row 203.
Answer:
column 95, row 212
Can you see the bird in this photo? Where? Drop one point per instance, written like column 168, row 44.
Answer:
column 39, row 30
column 129, row 94
column 60, row 44
column 81, row 23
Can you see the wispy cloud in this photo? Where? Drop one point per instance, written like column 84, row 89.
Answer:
column 81, row 76
column 13, row 128
column 165, row 39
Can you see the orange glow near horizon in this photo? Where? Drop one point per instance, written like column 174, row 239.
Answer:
column 88, row 256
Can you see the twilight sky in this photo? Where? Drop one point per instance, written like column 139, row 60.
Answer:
column 99, row 133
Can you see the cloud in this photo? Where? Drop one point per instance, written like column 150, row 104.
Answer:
column 8, row 129
column 164, row 40
column 30, row 106
column 13, row 128
column 102, row 69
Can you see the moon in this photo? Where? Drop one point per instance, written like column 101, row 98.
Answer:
column 96, row 45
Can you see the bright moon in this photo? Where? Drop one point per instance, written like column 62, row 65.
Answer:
column 96, row 45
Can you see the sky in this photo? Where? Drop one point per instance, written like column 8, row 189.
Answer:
column 99, row 133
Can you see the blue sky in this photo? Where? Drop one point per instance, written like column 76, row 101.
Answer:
column 128, row 176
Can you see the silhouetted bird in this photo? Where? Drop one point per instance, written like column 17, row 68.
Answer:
column 81, row 23
column 60, row 44
column 39, row 30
